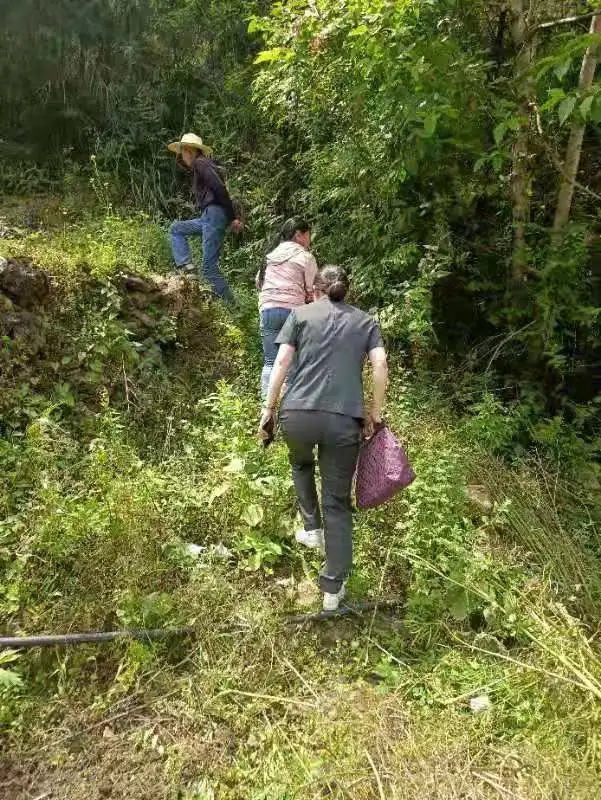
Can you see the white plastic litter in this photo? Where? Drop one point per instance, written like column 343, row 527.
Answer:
column 480, row 704
column 221, row 551
column 194, row 549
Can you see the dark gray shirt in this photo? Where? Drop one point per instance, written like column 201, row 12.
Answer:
column 331, row 341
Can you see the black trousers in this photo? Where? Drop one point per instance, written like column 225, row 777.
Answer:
column 337, row 438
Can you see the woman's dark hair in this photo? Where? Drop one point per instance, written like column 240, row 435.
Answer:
column 333, row 281
column 289, row 230
column 293, row 226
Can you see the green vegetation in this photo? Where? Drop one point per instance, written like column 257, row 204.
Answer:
column 118, row 450
column 426, row 142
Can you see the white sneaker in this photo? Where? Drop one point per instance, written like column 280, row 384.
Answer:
column 332, row 601
column 313, row 539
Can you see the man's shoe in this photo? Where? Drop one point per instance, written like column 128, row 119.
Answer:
column 312, row 539
column 331, row 602
column 186, row 269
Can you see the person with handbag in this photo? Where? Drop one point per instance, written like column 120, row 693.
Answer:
column 322, row 350
column 285, row 281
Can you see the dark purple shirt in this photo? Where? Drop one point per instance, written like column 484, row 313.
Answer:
column 208, row 187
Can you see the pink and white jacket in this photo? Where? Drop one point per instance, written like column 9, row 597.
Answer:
column 289, row 277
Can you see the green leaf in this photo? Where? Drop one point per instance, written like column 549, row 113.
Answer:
column 459, row 605
column 555, row 97
column 254, row 562
column 253, row 515
column 276, row 54
column 156, row 607
column 430, row 125
column 9, row 679
column 359, row 31
column 565, row 108
column 544, row 66
column 595, row 113
column 586, row 105
column 218, row 491
column 7, row 656
column 412, row 165
column 562, row 70
column 499, row 132
column 497, row 162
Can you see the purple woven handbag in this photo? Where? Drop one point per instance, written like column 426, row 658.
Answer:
column 383, row 469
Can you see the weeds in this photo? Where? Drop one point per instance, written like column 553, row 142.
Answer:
column 121, row 451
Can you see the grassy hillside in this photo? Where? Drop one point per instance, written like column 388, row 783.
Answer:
column 129, row 407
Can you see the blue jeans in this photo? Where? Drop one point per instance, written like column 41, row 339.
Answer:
column 211, row 226
column 272, row 322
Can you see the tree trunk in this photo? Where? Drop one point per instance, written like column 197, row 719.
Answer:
column 574, row 149
column 521, row 178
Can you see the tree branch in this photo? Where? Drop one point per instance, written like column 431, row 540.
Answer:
column 557, row 163
column 565, row 21
column 571, row 163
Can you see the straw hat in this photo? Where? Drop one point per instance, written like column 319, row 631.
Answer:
column 191, row 140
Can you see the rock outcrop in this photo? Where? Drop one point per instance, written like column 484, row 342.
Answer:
column 24, row 295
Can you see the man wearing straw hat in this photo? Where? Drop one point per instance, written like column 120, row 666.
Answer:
column 214, row 203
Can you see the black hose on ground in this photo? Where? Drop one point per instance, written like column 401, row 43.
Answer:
column 92, row 637
column 149, row 635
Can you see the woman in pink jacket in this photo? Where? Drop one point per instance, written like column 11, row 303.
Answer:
column 284, row 282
